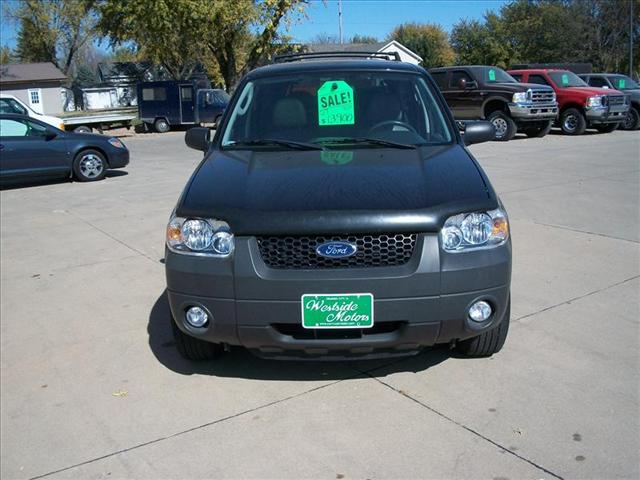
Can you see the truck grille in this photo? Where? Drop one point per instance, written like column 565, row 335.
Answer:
column 615, row 99
column 372, row 251
column 542, row 96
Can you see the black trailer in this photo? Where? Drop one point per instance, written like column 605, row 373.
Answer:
column 169, row 103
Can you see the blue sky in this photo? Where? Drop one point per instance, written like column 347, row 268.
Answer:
column 366, row 17
column 378, row 17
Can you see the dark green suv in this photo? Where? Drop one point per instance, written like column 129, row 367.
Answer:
column 337, row 213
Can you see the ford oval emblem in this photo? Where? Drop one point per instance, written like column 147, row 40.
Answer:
column 336, row 249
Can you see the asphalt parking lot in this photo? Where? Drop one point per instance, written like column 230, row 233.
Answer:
column 92, row 386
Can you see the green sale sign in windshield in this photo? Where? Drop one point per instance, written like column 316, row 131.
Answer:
column 335, row 104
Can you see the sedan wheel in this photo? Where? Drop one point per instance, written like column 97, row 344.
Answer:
column 89, row 166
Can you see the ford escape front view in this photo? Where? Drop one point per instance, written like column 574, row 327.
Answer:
column 337, row 214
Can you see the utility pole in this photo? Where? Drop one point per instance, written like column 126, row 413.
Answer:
column 340, row 19
column 630, row 38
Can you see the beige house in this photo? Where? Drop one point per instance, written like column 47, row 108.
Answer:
column 36, row 84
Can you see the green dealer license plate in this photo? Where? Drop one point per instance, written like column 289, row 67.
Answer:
column 353, row 310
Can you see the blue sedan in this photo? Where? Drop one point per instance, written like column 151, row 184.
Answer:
column 31, row 149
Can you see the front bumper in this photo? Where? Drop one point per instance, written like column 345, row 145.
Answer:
column 606, row 114
column 118, row 158
column 533, row 111
column 418, row 304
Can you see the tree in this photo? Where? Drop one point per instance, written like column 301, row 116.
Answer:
column 481, row 43
column 428, row 40
column 237, row 34
column 53, row 30
column 363, row 39
column 324, row 38
column 6, row 55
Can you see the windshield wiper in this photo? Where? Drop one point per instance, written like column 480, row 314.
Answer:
column 276, row 141
column 375, row 141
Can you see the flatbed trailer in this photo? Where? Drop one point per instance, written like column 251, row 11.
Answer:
column 86, row 122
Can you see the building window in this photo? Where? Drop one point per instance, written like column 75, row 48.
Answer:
column 34, row 97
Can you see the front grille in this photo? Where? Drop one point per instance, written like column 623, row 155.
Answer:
column 615, row 99
column 372, row 251
column 542, row 96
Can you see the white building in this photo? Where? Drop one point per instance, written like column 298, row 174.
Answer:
column 36, row 84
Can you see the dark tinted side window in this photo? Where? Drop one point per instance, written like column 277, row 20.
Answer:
column 456, row 75
column 539, row 79
column 517, row 76
column 154, row 94
column 441, row 79
column 598, row 82
column 9, row 105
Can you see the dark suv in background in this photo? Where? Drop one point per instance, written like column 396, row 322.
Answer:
column 486, row 92
column 624, row 84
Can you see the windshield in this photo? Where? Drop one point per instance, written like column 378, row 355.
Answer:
column 336, row 110
column 622, row 82
column 494, row 75
column 564, row 79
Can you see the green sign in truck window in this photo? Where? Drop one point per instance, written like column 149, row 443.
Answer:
column 492, row 75
column 621, row 83
column 565, row 79
column 335, row 104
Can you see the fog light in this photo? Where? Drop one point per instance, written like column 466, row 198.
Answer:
column 480, row 311
column 197, row 317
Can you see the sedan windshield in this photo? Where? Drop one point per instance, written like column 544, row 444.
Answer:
column 336, row 110
column 622, row 82
column 565, row 78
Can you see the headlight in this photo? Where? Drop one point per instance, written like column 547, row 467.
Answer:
column 520, row 97
column 594, row 101
column 116, row 142
column 472, row 231
column 198, row 236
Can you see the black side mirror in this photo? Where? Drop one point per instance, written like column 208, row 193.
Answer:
column 50, row 135
column 478, row 132
column 198, row 138
column 462, row 83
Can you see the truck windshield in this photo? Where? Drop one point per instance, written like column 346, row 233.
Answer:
column 622, row 82
column 494, row 75
column 565, row 79
column 336, row 110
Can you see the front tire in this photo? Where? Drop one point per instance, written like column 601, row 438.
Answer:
column 504, row 126
column 194, row 349
column 489, row 342
column 607, row 127
column 572, row 122
column 161, row 125
column 632, row 120
column 89, row 166
column 538, row 132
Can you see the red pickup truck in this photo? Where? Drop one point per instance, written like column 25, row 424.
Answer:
column 580, row 105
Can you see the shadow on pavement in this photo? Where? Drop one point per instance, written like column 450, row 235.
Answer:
column 240, row 363
column 41, row 182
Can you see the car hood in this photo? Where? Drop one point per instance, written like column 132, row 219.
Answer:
column 54, row 121
column 522, row 87
column 346, row 191
column 590, row 91
column 634, row 94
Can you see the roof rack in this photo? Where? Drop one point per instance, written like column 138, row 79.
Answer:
column 295, row 57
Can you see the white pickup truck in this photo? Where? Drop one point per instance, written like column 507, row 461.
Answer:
column 10, row 104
